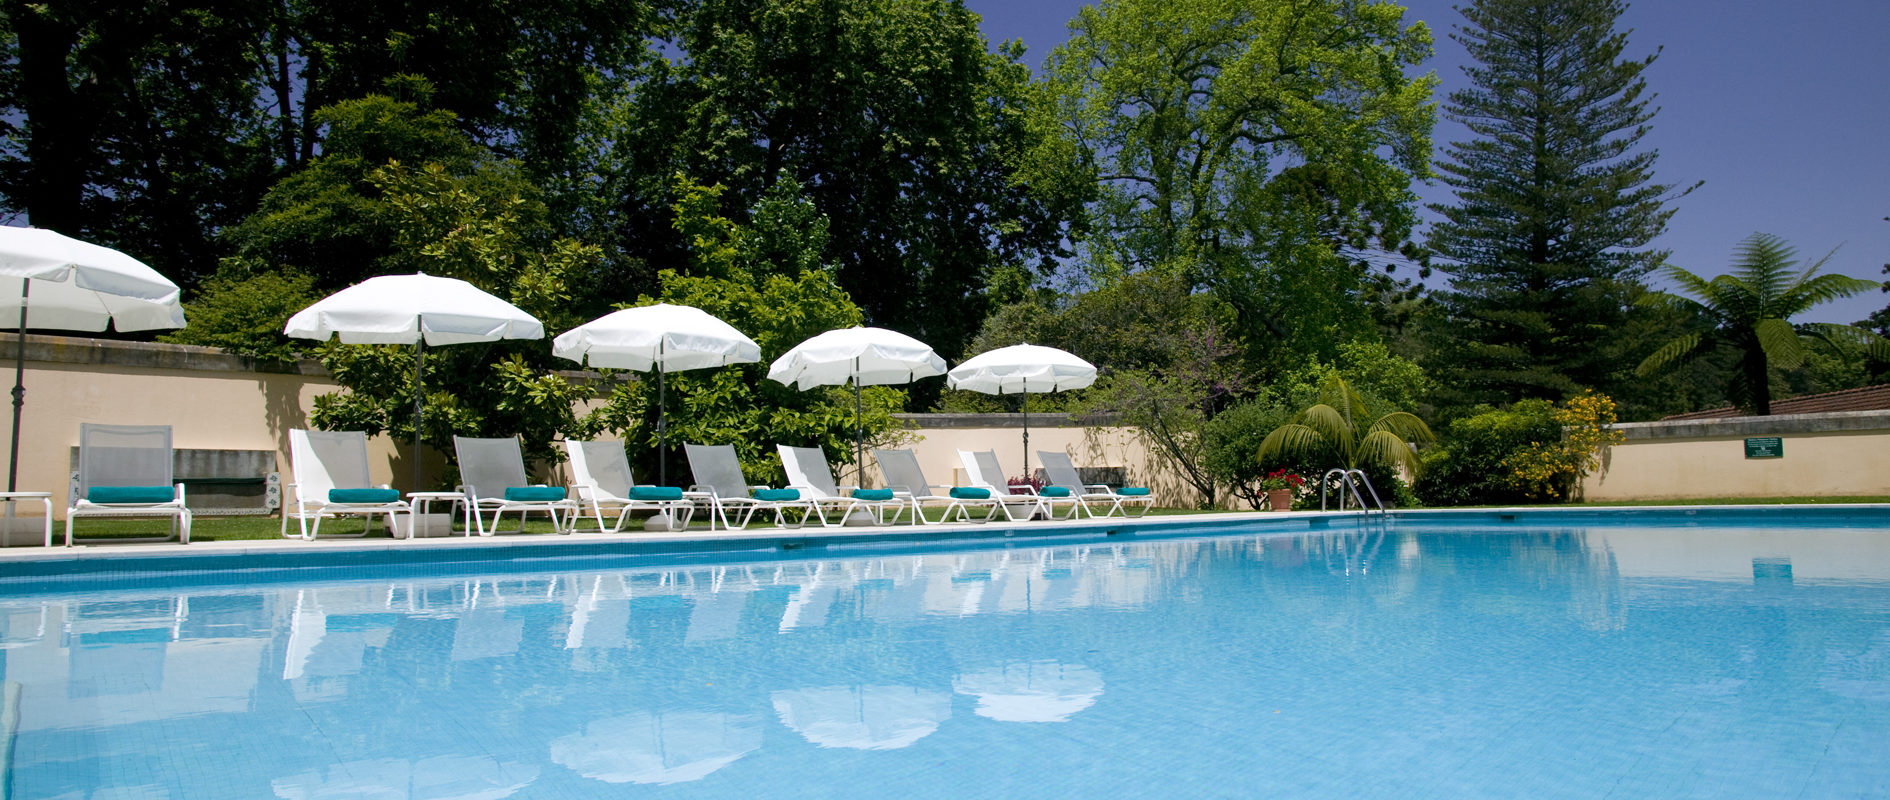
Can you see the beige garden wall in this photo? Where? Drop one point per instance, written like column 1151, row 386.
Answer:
column 215, row 401
column 1831, row 454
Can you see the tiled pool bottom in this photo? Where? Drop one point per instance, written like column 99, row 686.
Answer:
column 1409, row 661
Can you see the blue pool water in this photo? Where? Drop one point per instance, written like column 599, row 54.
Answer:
column 1418, row 660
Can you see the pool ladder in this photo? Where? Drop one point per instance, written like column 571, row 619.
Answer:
column 1345, row 481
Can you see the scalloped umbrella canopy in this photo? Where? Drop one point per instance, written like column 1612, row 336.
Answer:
column 663, row 338
column 862, row 717
column 398, row 309
column 52, row 281
column 862, row 356
column 416, row 309
column 1022, row 369
column 1038, row 691
column 657, row 748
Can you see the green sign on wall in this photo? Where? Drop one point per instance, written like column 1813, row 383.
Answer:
column 1765, row 447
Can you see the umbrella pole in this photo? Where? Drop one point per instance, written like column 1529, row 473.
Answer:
column 19, row 391
column 1026, row 432
column 859, row 440
column 419, row 392
column 662, row 426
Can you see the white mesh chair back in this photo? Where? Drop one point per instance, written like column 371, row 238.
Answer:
column 1059, row 469
column 324, row 460
column 807, row 466
column 901, row 470
column 487, row 467
column 716, row 466
column 124, row 455
column 604, row 465
column 982, row 468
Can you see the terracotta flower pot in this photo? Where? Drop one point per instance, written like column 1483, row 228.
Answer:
column 1280, row 499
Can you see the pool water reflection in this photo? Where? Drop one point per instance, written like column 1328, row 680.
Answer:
column 1386, row 662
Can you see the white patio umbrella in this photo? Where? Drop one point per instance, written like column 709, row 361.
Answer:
column 416, row 309
column 663, row 338
column 1039, row 691
column 864, row 356
column 862, row 717
column 656, row 747
column 1022, row 369
column 82, row 287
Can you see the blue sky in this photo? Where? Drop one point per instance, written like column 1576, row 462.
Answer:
column 1782, row 108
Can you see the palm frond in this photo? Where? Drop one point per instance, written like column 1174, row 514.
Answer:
column 1851, row 337
column 1335, row 392
column 1291, row 440
column 1385, row 447
column 1762, row 261
column 1780, row 342
column 1404, row 425
column 1686, row 281
column 1819, row 289
column 1332, row 426
column 1669, row 354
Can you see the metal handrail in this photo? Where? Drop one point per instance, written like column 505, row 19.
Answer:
column 1345, row 482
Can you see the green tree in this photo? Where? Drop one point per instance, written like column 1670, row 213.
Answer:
column 133, row 125
column 1547, row 239
column 1242, row 146
column 1749, row 311
column 244, row 311
column 1344, row 430
column 896, row 118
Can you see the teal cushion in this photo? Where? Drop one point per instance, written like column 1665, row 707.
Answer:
column 534, row 494
column 655, row 493
column 1055, row 491
column 873, row 495
column 1133, row 491
column 777, row 495
column 363, row 495
column 971, row 493
column 130, row 494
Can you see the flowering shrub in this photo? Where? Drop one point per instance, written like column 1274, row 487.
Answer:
column 1553, row 470
column 1034, row 484
column 1282, row 479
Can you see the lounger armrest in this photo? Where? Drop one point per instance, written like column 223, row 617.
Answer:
column 847, row 489
column 1100, row 487
column 701, row 490
column 1027, row 489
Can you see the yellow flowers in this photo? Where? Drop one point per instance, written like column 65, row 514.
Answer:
column 1553, row 471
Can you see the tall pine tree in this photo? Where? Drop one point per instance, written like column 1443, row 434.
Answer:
column 1547, row 241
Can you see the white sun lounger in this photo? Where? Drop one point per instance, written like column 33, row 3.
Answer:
column 1062, row 472
column 331, row 479
column 600, row 479
column 125, row 471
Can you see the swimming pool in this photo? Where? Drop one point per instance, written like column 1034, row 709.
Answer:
column 1430, row 657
